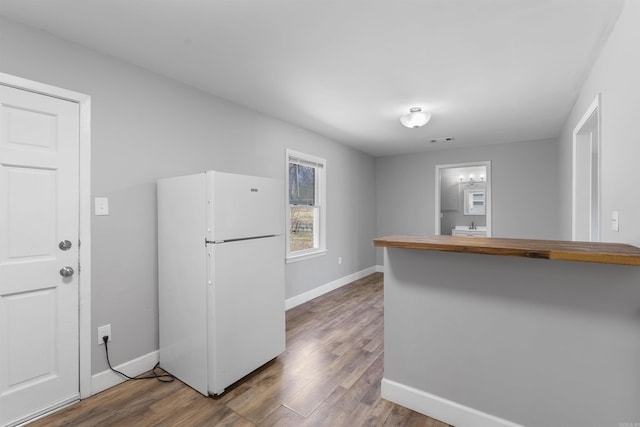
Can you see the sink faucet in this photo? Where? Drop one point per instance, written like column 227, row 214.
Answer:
column 472, row 226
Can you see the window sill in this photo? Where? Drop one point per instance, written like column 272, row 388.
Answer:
column 308, row 255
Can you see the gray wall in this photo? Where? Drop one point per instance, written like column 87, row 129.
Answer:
column 145, row 126
column 536, row 342
column 523, row 189
column 615, row 77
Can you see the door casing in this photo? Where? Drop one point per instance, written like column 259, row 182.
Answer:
column 437, row 200
column 591, row 118
column 84, row 276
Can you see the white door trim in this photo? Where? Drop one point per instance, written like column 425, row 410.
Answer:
column 593, row 108
column 84, row 276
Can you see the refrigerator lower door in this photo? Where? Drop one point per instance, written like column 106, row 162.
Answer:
column 246, row 312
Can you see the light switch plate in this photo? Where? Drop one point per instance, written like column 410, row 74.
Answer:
column 615, row 221
column 102, row 205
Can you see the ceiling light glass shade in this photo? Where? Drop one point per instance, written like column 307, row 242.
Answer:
column 415, row 118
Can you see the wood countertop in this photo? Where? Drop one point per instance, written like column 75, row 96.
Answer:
column 605, row 253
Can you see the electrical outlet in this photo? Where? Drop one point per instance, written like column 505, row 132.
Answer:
column 102, row 331
column 339, row 260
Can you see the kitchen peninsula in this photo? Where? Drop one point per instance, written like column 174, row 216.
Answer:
column 507, row 332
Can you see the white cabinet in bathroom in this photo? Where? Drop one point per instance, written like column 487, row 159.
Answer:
column 479, row 232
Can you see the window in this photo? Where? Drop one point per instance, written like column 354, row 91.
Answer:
column 305, row 206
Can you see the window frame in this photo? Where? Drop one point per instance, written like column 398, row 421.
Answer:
column 320, row 233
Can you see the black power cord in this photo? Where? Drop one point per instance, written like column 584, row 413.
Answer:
column 162, row 377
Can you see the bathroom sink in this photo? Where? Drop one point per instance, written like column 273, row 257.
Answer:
column 466, row 227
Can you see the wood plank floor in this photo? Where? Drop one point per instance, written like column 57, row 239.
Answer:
column 329, row 376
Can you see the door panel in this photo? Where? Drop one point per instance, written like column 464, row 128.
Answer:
column 30, row 223
column 39, row 194
column 30, row 127
column 35, row 312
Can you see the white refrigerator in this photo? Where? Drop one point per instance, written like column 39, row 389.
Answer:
column 221, row 276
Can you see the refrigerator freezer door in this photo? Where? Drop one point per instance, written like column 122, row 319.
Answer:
column 182, row 279
column 241, row 206
column 246, row 315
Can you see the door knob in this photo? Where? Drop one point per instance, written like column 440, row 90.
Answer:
column 65, row 245
column 66, row 271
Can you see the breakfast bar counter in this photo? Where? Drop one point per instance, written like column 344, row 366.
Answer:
column 560, row 250
column 508, row 332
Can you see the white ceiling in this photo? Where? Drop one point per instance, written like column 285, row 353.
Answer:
column 490, row 71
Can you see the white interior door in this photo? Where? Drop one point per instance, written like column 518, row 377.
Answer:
column 39, row 207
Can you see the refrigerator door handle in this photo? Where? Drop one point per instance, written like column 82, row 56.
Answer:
column 209, row 281
column 266, row 236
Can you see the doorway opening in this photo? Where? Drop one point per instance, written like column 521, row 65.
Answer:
column 586, row 176
column 463, row 199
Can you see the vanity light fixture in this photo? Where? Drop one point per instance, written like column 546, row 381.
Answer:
column 471, row 181
column 415, row 118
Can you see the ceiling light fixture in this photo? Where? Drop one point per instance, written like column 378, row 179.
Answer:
column 415, row 118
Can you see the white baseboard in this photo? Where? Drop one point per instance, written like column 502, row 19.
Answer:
column 439, row 408
column 328, row 287
column 379, row 268
column 107, row 379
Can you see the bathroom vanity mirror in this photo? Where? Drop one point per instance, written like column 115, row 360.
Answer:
column 474, row 202
column 463, row 199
